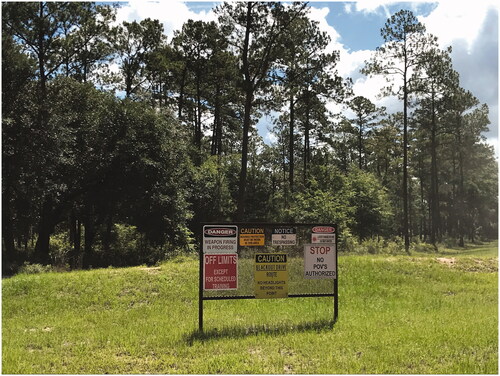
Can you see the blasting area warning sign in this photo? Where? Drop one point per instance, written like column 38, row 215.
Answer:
column 271, row 275
column 220, row 271
column 284, row 236
column 323, row 234
column 252, row 236
column 220, row 239
column 320, row 261
column 323, row 238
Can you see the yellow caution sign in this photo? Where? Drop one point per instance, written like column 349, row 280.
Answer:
column 252, row 236
column 271, row 275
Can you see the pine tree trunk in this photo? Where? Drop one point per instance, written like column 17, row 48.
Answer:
column 461, row 193
column 291, row 144
column 307, row 151
column 44, row 231
column 8, row 250
column 435, row 222
column 360, row 143
column 244, row 156
column 405, row 166
column 249, row 91
column 180, row 102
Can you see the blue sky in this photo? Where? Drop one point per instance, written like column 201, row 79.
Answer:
column 470, row 27
column 362, row 32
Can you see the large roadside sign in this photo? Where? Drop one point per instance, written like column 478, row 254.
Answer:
column 220, row 239
column 259, row 260
column 220, row 271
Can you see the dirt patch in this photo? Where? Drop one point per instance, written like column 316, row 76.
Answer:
column 254, row 351
column 468, row 264
column 446, row 261
column 32, row 348
column 288, row 369
column 152, row 270
column 286, row 352
column 488, row 265
column 33, row 330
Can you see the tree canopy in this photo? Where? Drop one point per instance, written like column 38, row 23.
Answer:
column 120, row 166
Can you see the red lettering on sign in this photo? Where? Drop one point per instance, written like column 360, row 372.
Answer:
column 320, row 250
column 323, row 229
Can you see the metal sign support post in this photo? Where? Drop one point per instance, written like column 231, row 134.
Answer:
column 200, row 294
column 335, row 301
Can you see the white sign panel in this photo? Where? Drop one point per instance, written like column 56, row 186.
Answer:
column 320, row 261
column 284, row 236
column 290, row 239
column 322, row 238
column 220, row 239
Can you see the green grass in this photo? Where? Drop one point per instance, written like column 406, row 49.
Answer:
column 489, row 249
column 425, row 313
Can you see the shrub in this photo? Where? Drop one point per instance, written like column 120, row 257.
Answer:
column 28, row 268
column 394, row 247
column 60, row 248
column 372, row 246
column 424, row 248
column 351, row 244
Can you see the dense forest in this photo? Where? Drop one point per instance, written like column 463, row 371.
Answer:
column 117, row 143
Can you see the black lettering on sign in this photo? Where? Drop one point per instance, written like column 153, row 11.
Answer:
column 270, row 257
column 252, row 230
column 219, row 231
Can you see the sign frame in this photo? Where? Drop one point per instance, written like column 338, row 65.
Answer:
column 270, row 226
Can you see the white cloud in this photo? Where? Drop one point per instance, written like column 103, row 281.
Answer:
column 173, row 13
column 493, row 141
column 455, row 21
column 270, row 138
column 374, row 6
column 350, row 63
column 348, row 7
column 319, row 15
column 471, row 28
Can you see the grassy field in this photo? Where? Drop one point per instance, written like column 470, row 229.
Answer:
column 425, row 313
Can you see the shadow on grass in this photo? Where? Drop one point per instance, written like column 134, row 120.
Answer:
column 239, row 331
